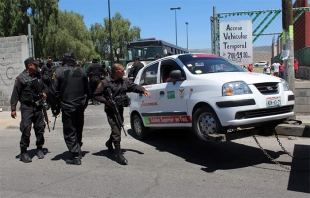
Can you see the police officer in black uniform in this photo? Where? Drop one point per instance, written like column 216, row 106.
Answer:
column 94, row 73
column 46, row 71
column 69, row 91
column 31, row 112
column 118, row 87
column 135, row 68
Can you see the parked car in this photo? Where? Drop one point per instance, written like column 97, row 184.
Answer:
column 208, row 94
column 260, row 64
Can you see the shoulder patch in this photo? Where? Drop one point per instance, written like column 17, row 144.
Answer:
column 99, row 85
column 15, row 81
column 54, row 75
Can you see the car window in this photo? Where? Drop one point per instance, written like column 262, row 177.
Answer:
column 166, row 67
column 149, row 75
column 208, row 64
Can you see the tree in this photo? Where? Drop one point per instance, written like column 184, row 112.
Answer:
column 20, row 13
column 40, row 14
column 71, row 35
column 121, row 35
column 13, row 18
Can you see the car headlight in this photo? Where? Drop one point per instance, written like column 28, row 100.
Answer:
column 235, row 88
column 285, row 85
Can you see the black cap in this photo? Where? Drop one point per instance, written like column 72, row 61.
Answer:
column 49, row 57
column 31, row 60
column 68, row 55
column 137, row 58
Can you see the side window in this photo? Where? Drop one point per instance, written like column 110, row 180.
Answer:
column 149, row 75
column 166, row 67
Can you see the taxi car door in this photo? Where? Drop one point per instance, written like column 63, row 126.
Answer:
column 172, row 101
column 146, row 106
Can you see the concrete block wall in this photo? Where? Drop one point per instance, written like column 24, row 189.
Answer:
column 302, row 97
column 13, row 52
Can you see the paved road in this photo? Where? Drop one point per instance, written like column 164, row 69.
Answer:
column 168, row 164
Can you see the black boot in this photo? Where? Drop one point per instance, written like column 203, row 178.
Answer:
column 93, row 101
column 119, row 156
column 24, row 156
column 110, row 146
column 40, row 153
column 74, row 161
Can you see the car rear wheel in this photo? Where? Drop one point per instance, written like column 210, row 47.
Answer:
column 205, row 122
column 140, row 131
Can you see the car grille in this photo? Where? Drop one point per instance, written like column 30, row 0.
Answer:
column 266, row 88
column 263, row 112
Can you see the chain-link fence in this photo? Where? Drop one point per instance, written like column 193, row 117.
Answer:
column 267, row 38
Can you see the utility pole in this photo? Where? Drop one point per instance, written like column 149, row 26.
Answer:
column 288, row 31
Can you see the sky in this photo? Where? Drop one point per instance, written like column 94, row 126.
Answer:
column 155, row 18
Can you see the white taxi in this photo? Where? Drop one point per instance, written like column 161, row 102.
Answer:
column 209, row 94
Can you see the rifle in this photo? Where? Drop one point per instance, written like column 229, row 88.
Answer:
column 54, row 122
column 41, row 101
column 117, row 115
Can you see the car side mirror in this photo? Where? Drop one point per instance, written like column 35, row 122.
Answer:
column 176, row 74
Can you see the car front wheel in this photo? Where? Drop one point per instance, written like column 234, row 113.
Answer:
column 140, row 131
column 205, row 122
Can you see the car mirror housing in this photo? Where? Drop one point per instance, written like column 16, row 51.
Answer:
column 176, row 74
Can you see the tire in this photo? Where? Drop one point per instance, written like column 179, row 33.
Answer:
column 205, row 122
column 140, row 131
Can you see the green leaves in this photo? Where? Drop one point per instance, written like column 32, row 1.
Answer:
column 56, row 32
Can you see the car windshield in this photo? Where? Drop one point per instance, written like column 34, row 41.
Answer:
column 208, row 63
column 144, row 53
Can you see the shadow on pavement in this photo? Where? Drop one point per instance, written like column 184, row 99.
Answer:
column 66, row 155
column 210, row 156
column 299, row 175
column 111, row 156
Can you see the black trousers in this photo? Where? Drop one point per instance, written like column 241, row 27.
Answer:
column 73, row 123
column 115, row 136
column 94, row 81
column 31, row 114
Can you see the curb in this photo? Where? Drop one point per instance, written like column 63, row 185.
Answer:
column 293, row 130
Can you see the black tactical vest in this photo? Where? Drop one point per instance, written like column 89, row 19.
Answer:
column 119, row 93
column 75, row 87
column 28, row 93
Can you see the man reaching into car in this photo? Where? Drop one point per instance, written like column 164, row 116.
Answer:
column 118, row 87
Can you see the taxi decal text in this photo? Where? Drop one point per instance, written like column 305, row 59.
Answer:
column 167, row 119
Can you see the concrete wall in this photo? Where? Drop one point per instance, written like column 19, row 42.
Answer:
column 303, row 72
column 302, row 96
column 13, row 52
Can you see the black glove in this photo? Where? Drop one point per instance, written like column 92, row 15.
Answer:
column 55, row 110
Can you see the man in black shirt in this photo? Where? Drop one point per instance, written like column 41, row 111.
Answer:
column 69, row 91
column 118, row 86
column 135, row 68
column 31, row 111
column 94, row 72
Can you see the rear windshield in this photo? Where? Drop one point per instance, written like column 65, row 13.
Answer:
column 204, row 63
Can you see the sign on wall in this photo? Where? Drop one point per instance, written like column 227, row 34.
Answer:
column 236, row 41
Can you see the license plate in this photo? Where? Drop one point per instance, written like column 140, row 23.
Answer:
column 273, row 102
